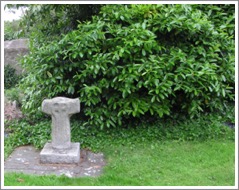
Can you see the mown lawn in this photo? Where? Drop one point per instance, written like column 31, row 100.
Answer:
column 159, row 163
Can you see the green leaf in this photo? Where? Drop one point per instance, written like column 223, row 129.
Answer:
column 156, row 82
column 71, row 90
column 224, row 78
column 223, row 92
column 143, row 52
column 144, row 25
column 49, row 74
column 161, row 96
column 153, row 99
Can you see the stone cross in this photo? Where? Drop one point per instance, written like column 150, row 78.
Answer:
column 60, row 150
column 61, row 109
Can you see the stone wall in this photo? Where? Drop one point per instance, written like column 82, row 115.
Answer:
column 13, row 50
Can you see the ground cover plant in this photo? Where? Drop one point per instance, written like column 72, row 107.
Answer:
column 206, row 127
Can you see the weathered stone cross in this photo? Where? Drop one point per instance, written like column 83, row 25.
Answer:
column 61, row 150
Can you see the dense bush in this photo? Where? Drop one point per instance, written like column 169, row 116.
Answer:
column 13, row 30
column 138, row 60
column 46, row 22
column 11, row 79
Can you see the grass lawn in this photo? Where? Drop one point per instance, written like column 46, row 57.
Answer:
column 155, row 163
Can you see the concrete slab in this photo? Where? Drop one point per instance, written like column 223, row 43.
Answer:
column 49, row 155
column 26, row 159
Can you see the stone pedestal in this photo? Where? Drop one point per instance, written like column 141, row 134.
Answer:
column 61, row 150
column 49, row 155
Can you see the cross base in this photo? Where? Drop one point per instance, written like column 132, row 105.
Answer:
column 49, row 155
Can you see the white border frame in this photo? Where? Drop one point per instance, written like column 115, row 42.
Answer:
column 120, row 2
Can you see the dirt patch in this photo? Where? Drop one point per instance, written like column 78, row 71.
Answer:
column 11, row 111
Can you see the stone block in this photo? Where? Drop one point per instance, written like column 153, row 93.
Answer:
column 50, row 155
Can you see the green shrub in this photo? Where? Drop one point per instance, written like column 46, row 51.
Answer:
column 50, row 21
column 12, row 30
column 138, row 60
column 14, row 94
column 11, row 79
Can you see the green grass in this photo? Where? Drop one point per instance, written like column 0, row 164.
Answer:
column 166, row 163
